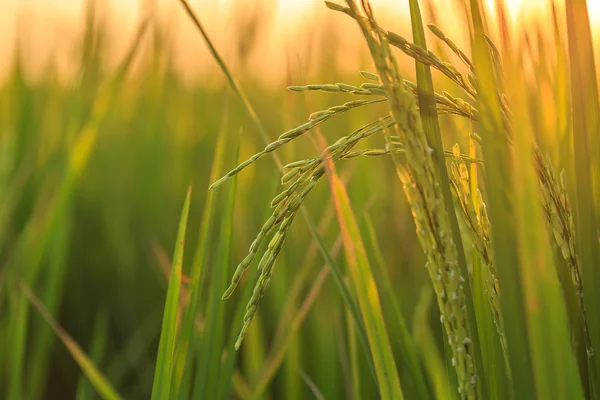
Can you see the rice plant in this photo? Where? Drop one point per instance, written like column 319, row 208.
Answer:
column 473, row 277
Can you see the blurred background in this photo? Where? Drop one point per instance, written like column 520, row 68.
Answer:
column 92, row 231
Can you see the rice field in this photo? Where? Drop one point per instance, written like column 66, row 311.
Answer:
column 425, row 227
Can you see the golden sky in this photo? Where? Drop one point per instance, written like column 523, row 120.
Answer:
column 52, row 27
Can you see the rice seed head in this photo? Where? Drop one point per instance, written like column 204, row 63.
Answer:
column 347, row 88
column 280, row 197
column 319, row 115
column 288, row 177
column 369, row 75
column 436, row 31
column 297, row 88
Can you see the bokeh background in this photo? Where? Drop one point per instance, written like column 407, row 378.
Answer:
column 96, row 245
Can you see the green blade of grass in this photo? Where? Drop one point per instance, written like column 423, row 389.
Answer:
column 501, row 211
column 164, row 361
column 353, row 355
column 555, row 372
column 100, row 383
column 586, row 124
column 347, row 297
column 19, row 323
column 128, row 359
column 229, row 362
column 491, row 350
column 292, row 318
column 278, row 352
column 212, row 342
column 407, row 346
column 368, row 297
column 97, row 351
column 43, row 338
column 425, row 343
column 197, row 273
column 230, row 78
column 429, row 118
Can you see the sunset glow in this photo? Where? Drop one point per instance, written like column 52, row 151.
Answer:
column 52, row 28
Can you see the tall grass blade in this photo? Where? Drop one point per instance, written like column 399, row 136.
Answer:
column 163, row 372
column 368, row 297
column 586, row 144
column 491, row 350
column 555, row 372
column 97, row 352
column 433, row 362
column 213, row 337
column 499, row 180
column 408, row 351
column 198, row 273
column 43, row 337
column 347, row 296
column 237, row 89
column 429, row 118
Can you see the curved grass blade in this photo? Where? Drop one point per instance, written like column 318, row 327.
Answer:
column 100, row 383
column 347, row 297
column 213, row 337
column 366, row 290
column 407, row 346
column 164, row 363
column 491, row 350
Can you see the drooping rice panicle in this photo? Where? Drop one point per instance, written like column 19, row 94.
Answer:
column 475, row 216
column 447, row 104
column 549, row 188
column 425, row 56
column 560, row 220
column 459, row 53
column 420, row 182
column 292, row 134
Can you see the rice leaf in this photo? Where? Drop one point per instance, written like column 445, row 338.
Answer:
column 97, row 352
column 198, row 273
column 366, row 290
column 491, row 350
column 347, row 296
column 164, row 362
column 433, row 363
column 407, row 346
column 501, row 212
column 213, row 337
column 586, row 124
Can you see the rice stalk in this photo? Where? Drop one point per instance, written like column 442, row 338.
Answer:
column 420, row 180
